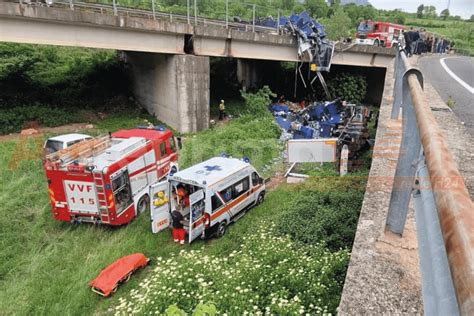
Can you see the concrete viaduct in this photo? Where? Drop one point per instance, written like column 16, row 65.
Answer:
column 169, row 57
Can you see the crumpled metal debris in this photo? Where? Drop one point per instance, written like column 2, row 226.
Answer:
column 328, row 119
column 313, row 46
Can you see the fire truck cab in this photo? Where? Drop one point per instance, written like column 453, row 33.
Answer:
column 378, row 33
column 217, row 192
column 106, row 180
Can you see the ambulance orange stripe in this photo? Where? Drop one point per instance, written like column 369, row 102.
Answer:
column 234, row 203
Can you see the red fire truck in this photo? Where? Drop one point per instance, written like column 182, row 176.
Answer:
column 106, row 180
column 378, row 33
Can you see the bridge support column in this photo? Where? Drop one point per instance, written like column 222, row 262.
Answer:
column 174, row 88
column 248, row 72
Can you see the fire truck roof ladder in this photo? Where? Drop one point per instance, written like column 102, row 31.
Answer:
column 80, row 150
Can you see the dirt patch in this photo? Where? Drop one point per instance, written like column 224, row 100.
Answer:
column 63, row 129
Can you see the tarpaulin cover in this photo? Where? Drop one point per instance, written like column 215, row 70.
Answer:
column 109, row 278
column 283, row 123
column 276, row 107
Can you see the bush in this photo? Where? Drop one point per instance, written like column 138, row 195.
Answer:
column 14, row 119
column 268, row 274
column 256, row 138
column 350, row 87
column 257, row 103
column 254, row 134
column 327, row 218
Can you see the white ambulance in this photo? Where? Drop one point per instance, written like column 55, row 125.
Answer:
column 216, row 192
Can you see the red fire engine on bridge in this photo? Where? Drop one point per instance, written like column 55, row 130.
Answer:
column 106, row 179
column 378, row 33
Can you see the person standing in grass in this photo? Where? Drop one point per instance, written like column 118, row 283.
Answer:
column 221, row 110
column 178, row 227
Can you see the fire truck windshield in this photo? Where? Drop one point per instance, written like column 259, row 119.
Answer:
column 365, row 27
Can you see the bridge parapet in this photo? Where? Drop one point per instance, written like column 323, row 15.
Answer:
column 98, row 26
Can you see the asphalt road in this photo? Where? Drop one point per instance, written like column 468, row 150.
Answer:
column 461, row 91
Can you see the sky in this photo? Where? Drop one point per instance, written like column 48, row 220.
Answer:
column 463, row 8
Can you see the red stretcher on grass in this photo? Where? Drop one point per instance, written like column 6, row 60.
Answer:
column 118, row 272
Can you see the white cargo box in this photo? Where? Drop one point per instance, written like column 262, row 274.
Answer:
column 312, row 150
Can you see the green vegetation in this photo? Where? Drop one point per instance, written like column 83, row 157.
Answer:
column 252, row 135
column 59, row 76
column 12, row 120
column 349, row 87
column 50, row 86
column 266, row 273
column 46, row 265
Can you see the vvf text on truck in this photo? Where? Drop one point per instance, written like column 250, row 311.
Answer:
column 106, row 180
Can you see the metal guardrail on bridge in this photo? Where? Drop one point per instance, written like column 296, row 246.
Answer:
column 150, row 9
column 444, row 212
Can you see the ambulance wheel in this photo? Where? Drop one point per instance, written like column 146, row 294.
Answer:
column 260, row 198
column 221, row 229
column 143, row 204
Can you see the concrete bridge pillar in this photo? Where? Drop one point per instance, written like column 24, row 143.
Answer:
column 174, row 88
column 248, row 72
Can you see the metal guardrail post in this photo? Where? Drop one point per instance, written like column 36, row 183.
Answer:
column 397, row 89
column 226, row 14
column 195, row 12
column 407, row 162
column 439, row 297
column 71, row 4
column 278, row 22
column 253, row 19
column 153, row 9
column 188, row 15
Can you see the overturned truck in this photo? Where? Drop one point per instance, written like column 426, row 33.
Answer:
column 343, row 123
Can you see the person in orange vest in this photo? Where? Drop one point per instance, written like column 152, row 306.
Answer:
column 183, row 196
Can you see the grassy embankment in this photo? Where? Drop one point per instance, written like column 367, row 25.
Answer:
column 45, row 265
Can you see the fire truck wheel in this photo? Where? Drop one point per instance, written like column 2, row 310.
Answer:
column 221, row 229
column 376, row 43
column 143, row 204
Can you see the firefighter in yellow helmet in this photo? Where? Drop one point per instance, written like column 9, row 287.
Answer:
column 221, row 110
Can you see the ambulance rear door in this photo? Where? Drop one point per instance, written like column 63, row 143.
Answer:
column 197, row 204
column 160, row 206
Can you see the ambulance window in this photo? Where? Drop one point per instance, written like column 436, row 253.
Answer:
column 241, row 187
column 162, row 149
column 255, row 179
column 216, row 203
column 227, row 194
